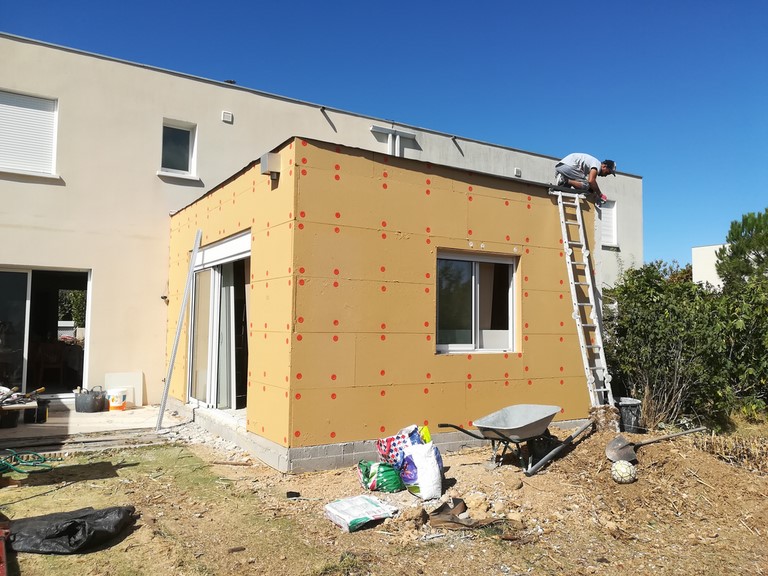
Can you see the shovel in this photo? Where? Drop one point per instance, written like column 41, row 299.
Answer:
column 622, row 449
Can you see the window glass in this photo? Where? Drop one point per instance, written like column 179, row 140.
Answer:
column 454, row 296
column 474, row 303
column 177, row 146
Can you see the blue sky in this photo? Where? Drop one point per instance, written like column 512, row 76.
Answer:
column 674, row 91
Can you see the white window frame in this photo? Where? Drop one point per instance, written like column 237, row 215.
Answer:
column 609, row 224
column 191, row 172
column 477, row 344
column 28, row 134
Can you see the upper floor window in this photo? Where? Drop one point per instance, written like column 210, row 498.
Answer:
column 608, row 218
column 475, row 302
column 27, row 134
column 179, row 149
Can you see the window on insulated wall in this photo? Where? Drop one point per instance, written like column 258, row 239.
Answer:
column 179, row 149
column 475, row 302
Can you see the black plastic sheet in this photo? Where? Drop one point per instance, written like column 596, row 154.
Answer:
column 70, row 532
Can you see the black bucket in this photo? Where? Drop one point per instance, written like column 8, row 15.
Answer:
column 37, row 415
column 629, row 411
column 90, row 400
column 9, row 418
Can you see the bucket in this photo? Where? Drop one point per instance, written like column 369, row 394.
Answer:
column 37, row 415
column 9, row 418
column 90, row 400
column 629, row 412
column 118, row 398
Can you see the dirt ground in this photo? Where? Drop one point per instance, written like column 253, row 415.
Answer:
column 209, row 509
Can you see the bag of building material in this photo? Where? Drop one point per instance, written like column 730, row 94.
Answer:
column 379, row 476
column 392, row 449
column 422, row 471
column 355, row 512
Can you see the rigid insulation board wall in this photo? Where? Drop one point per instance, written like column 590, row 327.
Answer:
column 364, row 362
column 343, row 295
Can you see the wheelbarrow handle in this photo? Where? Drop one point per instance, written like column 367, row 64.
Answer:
column 535, row 468
column 467, row 432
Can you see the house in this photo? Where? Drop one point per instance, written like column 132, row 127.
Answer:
column 703, row 261
column 101, row 158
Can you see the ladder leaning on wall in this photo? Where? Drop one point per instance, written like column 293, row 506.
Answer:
column 581, row 278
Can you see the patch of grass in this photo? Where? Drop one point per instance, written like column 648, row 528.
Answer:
column 349, row 564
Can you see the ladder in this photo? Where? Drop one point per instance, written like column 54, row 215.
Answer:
column 583, row 295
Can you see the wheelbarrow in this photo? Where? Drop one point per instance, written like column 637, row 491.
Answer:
column 520, row 424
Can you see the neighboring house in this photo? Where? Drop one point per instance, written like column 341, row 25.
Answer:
column 703, row 262
column 97, row 153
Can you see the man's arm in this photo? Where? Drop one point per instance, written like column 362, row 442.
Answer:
column 592, row 180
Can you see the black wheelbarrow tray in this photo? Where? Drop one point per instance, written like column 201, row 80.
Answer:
column 520, row 424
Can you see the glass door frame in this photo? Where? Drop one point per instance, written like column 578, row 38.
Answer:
column 28, row 304
column 212, row 258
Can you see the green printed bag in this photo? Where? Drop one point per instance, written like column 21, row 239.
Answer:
column 379, row 476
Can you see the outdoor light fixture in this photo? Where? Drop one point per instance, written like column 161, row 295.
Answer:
column 270, row 164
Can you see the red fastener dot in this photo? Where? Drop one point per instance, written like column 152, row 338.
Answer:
column 333, row 376
column 383, row 372
column 299, row 376
column 383, row 268
column 469, row 376
column 429, row 375
column 301, row 269
column 428, row 192
column 303, row 172
column 335, row 338
column 562, row 368
column 530, row 382
column 300, row 319
column 298, row 396
column 383, row 392
column 383, row 223
column 426, row 324
column 333, row 434
column 469, row 356
column 382, row 429
column 469, row 385
column 337, row 229
column 297, row 433
column 303, row 160
column 335, row 322
column 383, row 326
column 383, row 288
column 333, row 396
column 338, row 214
column 426, row 390
column 384, row 236
column 299, row 337
column 428, row 181
column 429, row 337
column 384, row 185
column 335, row 284
column 336, row 271
column 300, row 227
column 470, row 188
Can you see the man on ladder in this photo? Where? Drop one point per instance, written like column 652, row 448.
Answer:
column 580, row 171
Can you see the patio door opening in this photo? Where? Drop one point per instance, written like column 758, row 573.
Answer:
column 42, row 329
column 219, row 342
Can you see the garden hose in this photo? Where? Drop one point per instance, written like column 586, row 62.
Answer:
column 25, row 462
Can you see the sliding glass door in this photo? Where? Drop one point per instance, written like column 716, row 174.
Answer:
column 219, row 336
column 14, row 314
